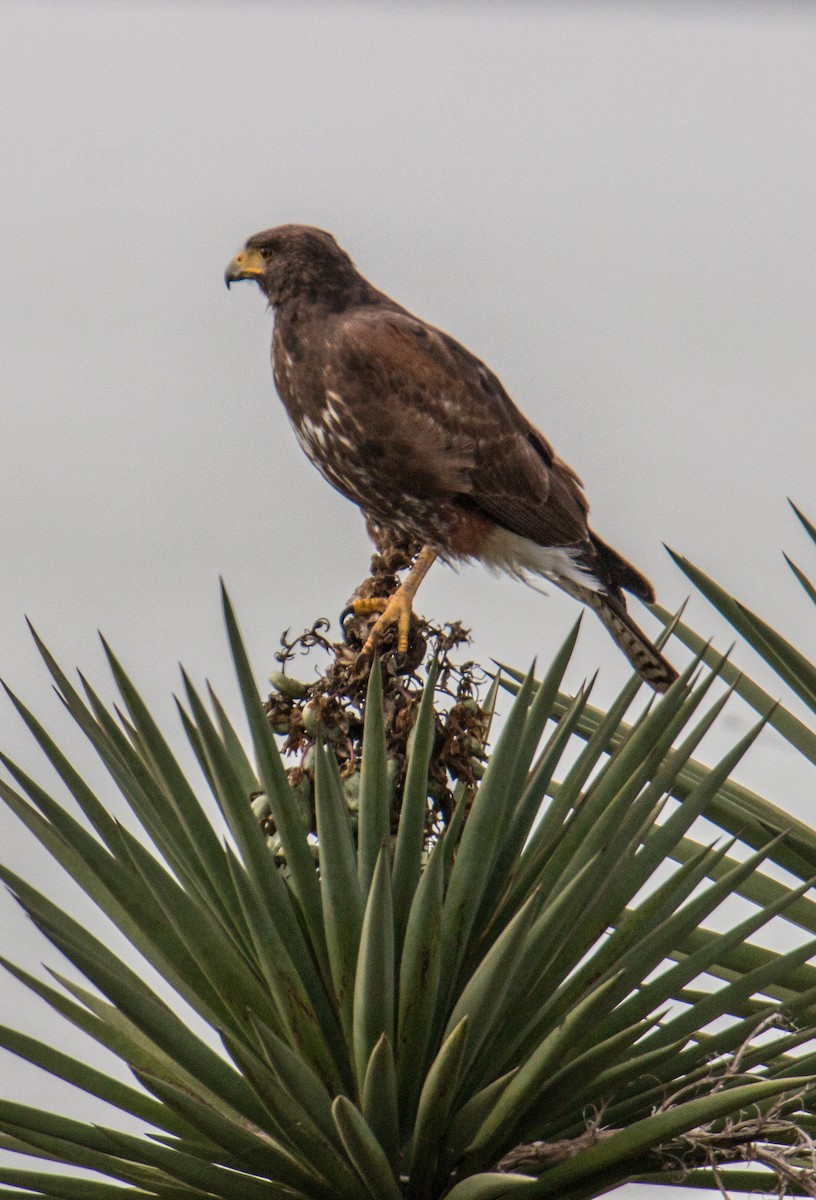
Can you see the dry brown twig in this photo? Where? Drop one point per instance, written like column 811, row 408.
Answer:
column 331, row 707
column 770, row 1137
column 536, row 1156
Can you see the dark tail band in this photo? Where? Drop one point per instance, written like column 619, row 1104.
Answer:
column 644, row 657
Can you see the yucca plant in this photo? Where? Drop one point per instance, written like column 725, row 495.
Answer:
column 431, row 969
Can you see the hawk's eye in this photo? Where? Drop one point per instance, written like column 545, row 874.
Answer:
column 266, row 251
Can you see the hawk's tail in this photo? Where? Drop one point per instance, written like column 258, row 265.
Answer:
column 644, row 657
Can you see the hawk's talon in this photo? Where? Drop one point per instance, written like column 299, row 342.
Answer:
column 394, row 610
column 360, row 608
column 368, row 604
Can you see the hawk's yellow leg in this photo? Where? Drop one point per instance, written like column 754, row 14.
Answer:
column 396, row 609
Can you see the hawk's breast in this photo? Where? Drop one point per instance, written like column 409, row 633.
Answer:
column 333, row 440
column 336, row 443
column 342, row 437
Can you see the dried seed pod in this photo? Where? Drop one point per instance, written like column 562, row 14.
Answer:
column 351, row 791
column 260, row 806
column 286, row 686
column 275, row 847
column 309, row 719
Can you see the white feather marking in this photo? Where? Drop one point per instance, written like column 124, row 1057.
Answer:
column 312, row 431
column 509, row 552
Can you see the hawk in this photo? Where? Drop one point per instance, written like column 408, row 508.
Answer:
column 419, row 433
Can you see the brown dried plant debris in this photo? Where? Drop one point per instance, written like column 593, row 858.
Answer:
column 333, row 705
column 776, row 1136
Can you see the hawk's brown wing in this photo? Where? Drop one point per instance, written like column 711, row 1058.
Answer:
column 439, row 424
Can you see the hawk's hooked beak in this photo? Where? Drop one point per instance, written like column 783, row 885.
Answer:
column 247, row 264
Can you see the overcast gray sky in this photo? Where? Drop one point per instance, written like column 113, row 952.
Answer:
column 613, row 204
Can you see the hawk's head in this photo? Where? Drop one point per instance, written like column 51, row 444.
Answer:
column 293, row 260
